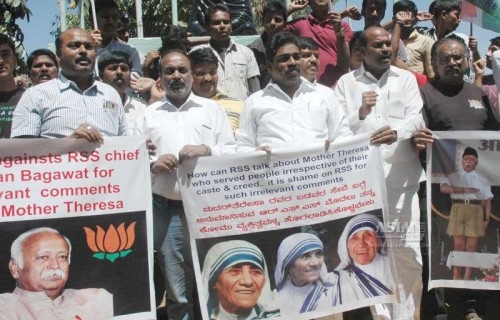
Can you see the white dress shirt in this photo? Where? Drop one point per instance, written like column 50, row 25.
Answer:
column 197, row 121
column 399, row 105
column 270, row 117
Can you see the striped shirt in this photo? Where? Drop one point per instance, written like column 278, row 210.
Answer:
column 55, row 109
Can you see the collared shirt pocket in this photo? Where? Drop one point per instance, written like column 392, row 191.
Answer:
column 395, row 105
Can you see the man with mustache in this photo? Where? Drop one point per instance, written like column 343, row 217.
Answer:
column 105, row 36
column 114, row 69
column 384, row 100
column 451, row 103
column 238, row 70
column 289, row 111
column 10, row 93
column 309, row 59
column 73, row 104
column 42, row 66
column 40, row 260
column 182, row 126
column 205, row 78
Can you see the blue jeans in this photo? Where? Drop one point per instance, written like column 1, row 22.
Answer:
column 171, row 240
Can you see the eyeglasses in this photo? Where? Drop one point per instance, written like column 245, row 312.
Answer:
column 457, row 58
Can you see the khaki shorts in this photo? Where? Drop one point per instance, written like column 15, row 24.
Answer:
column 466, row 220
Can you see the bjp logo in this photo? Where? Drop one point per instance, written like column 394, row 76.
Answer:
column 111, row 244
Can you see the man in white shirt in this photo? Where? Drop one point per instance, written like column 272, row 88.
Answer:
column 289, row 111
column 73, row 104
column 385, row 101
column 114, row 69
column 238, row 70
column 40, row 263
column 182, row 126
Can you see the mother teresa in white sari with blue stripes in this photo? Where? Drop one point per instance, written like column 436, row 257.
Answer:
column 364, row 264
column 236, row 282
column 301, row 277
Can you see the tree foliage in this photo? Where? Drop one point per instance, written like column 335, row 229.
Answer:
column 156, row 14
column 10, row 10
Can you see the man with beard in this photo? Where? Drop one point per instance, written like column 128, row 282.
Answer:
column 204, row 64
column 384, row 100
column 40, row 260
column 10, row 93
column 182, row 126
column 450, row 103
column 73, row 104
column 114, row 69
column 105, row 36
column 289, row 111
column 238, row 71
column 42, row 66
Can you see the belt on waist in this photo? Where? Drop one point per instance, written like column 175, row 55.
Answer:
column 170, row 202
column 467, row 201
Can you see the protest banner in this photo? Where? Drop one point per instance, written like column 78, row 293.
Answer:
column 99, row 198
column 484, row 13
column 463, row 188
column 271, row 210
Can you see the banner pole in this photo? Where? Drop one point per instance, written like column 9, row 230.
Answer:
column 94, row 16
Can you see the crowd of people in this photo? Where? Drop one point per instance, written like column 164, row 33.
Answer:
column 308, row 80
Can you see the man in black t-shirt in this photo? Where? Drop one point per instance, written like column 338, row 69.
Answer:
column 450, row 103
column 10, row 93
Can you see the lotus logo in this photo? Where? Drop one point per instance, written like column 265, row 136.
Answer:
column 111, row 244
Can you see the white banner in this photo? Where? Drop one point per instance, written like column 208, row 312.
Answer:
column 463, row 184
column 99, row 198
column 268, row 206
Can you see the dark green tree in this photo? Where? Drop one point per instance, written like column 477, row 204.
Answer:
column 10, row 11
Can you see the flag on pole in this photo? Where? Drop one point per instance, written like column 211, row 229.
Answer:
column 484, row 13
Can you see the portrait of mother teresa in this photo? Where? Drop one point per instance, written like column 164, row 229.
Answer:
column 236, row 282
column 364, row 267
column 301, row 277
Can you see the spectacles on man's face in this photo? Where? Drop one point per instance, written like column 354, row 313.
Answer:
column 286, row 56
column 457, row 58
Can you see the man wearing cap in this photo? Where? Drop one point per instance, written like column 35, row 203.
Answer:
column 471, row 196
column 236, row 282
